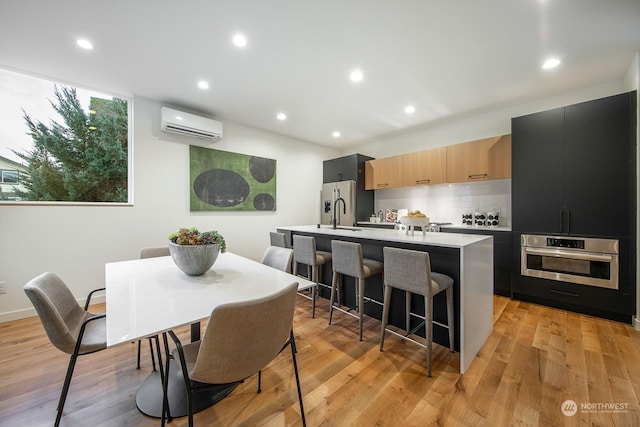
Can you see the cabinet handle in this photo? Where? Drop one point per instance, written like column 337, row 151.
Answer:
column 423, row 181
column 570, row 294
column 478, row 175
column 383, row 185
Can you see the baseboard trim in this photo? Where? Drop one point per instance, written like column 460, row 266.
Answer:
column 636, row 323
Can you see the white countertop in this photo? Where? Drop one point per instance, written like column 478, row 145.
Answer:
column 452, row 240
column 474, row 227
column 466, row 227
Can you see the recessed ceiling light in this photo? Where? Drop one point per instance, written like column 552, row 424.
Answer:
column 203, row 85
column 336, row 134
column 281, row 116
column 551, row 63
column 85, row 44
column 240, row 40
column 410, row 109
column 356, row 75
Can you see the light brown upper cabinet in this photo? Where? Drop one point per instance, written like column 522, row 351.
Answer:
column 425, row 167
column 484, row 159
column 383, row 173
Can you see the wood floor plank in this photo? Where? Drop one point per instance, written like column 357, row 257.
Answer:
column 535, row 358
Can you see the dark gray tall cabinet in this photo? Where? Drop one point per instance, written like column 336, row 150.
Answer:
column 351, row 168
column 574, row 174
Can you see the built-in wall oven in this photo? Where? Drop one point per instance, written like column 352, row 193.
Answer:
column 585, row 261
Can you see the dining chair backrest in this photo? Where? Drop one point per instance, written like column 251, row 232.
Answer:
column 278, row 257
column 278, row 239
column 59, row 312
column 154, row 252
column 242, row 338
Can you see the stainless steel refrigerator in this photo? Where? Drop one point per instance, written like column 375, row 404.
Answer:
column 330, row 193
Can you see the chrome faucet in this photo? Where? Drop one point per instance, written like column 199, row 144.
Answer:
column 335, row 204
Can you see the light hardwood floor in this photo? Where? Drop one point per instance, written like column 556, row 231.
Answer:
column 535, row 359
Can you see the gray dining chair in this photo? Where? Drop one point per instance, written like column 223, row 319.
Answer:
column 70, row 328
column 152, row 252
column 410, row 271
column 240, row 340
column 278, row 257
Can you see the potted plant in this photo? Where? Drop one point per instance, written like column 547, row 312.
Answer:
column 194, row 252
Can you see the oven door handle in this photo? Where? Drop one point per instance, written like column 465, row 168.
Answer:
column 570, row 254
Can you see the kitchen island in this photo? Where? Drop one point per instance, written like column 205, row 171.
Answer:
column 467, row 258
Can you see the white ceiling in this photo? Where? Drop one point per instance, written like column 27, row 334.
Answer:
column 446, row 58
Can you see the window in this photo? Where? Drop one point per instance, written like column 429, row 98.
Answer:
column 9, row 177
column 61, row 143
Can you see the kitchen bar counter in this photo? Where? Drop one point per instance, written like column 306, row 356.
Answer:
column 390, row 225
column 467, row 258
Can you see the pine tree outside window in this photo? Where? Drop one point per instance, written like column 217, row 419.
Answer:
column 72, row 145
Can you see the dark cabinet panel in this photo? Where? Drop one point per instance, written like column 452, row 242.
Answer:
column 343, row 168
column 538, row 171
column 599, row 157
column 573, row 169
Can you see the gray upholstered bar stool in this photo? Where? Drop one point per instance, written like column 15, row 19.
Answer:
column 348, row 260
column 411, row 271
column 304, row 252
column 278, row 239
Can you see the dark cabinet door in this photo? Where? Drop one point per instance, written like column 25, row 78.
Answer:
column 599, row 157
column 537, row 159
column 340, row 169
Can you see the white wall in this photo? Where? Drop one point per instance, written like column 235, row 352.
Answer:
column 632, row 82
column 76, row 241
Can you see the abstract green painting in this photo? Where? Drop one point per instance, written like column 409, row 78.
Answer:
column 225, row 181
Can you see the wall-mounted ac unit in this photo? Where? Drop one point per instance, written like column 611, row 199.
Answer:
column 182, row 123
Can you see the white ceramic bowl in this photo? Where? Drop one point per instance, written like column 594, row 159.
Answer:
column 405, row 220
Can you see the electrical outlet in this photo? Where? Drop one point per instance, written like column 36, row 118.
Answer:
column 3, row 290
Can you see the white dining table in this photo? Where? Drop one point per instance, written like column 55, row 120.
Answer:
column 146, row 297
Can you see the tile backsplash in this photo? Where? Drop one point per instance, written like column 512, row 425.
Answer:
column 447, row 202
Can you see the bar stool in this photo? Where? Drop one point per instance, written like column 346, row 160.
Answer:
column 304, row 252
column 347, row 260
column 411, row 271
column 278, row 239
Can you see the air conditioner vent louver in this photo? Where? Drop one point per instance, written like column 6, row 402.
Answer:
column 182, row 123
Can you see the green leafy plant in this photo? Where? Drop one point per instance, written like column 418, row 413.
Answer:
column 191, row 236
